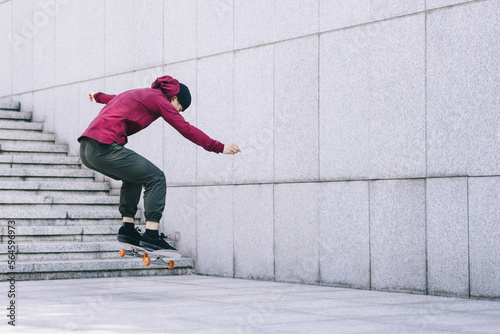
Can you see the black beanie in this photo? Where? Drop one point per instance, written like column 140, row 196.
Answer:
column 184, row 96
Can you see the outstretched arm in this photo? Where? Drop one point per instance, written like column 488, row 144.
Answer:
column 100, row 97
column 172, row 117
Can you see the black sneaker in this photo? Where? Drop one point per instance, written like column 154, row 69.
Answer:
column 157, row 243
column 129, row 235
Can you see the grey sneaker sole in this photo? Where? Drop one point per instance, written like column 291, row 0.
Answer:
column 155, row 249
column 127, row 240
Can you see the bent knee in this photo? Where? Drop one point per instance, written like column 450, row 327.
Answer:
column 159, row 176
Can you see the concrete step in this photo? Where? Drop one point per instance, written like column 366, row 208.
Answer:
column 19, row 207
column 66, row 251
column 74, row 214
column 117, row 221
column 32, row 147
column 10, row 106
column 73, row 247
column 26, row 126
column 60, row 230
column 120, row 267
column 15, row 115
column 23, row 193
column 68, row 256
column 40, row 161
column 66, row 223
column 58, row 200
column 61, row 186
column 76, row 234
column 22, row 135
column 96, row 255
column 29, row 173
column 59, row 207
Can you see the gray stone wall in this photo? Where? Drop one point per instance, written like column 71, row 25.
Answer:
column 369, row 129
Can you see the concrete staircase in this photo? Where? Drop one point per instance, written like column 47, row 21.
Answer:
column 65, row 221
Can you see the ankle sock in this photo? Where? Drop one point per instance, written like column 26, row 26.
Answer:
column 152, row 233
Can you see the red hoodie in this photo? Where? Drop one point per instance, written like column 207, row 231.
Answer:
column 133, row 110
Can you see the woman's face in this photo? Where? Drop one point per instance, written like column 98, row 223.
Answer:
column 176, row 104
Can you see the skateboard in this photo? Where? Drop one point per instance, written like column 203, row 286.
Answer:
column 159, row 257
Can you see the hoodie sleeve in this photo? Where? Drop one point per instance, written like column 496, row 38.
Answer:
column 172, row 117
column 103, row 98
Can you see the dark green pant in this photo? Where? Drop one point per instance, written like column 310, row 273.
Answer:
column 135, row 171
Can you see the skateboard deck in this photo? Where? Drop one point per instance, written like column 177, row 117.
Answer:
column 159, row 257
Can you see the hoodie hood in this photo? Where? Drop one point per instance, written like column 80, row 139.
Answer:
column 168, row 85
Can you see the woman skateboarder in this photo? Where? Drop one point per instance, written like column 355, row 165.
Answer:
column 102, row 149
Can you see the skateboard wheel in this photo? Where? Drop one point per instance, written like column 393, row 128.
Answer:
column 171, row 264
column 122, row 252
column 144, row 256
column 147, row 261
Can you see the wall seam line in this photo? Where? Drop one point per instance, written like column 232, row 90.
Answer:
column 369, row 238
column 426, row 156
column 319, row 188
column 274, row 160
column 468, row 240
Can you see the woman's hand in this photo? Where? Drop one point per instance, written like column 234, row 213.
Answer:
column 231, row 149
column 91, row 96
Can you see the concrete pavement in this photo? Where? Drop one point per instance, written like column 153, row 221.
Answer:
column 200, row 304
